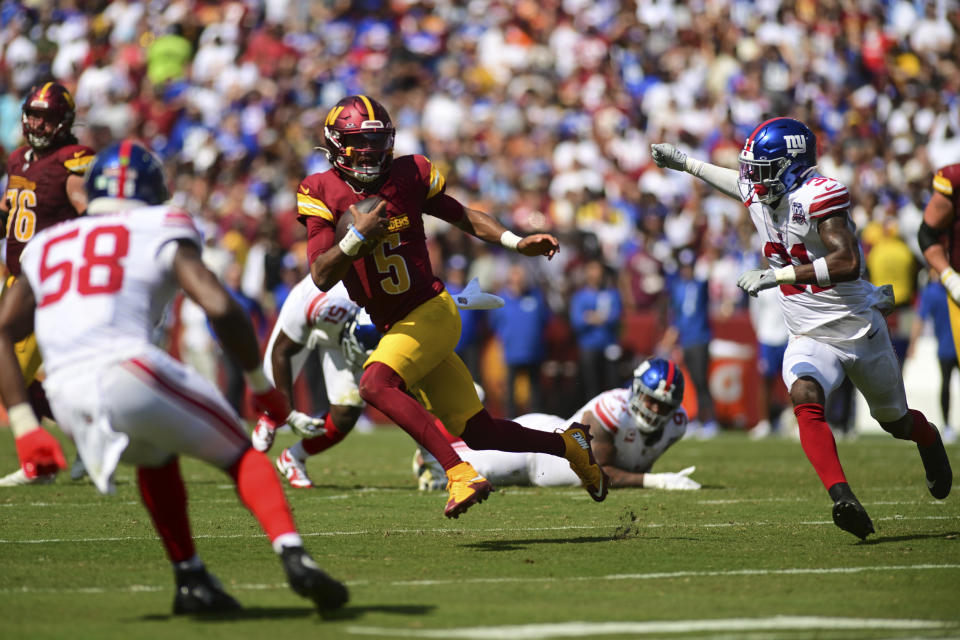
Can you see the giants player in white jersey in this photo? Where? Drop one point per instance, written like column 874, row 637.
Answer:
column 833, row 314
column 93, row 289
column 631, row 429
column 342, row 334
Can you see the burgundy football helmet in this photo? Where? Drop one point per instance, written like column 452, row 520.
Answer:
column 48, row 114
column 358, row 138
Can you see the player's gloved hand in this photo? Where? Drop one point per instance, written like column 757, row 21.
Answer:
column 754, row 281
column 667, row 155
column 40, row 453
column 303, row 425
column 950, row 280
column 680, row 481
column 267, row 398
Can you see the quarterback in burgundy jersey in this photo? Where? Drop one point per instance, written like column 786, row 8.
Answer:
column 44, row 187
column 834, row 316
column 395, row 284
column 939, row 237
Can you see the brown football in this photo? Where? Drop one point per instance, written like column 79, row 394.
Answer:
column 346, row 219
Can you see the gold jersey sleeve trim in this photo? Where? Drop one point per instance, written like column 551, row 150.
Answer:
column 308, row 206
column 78, row 165
column 436, row 181
column 942, row 184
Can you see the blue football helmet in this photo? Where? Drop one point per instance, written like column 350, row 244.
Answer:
column 658, row 383
column 127, row 170
column 777, row 156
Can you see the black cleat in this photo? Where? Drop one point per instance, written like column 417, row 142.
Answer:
column 199, row 592
column 309, row 581
column 848, row 513
column 937, row 466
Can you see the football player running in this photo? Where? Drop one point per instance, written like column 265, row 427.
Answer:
column 631, row 429
column 44, row 187
column 395, row 284
column 331, row 324
column 833, row 314
column 93, row 288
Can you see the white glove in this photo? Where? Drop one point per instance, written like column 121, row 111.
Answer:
column 473, row 298
column 671, row 481
column 303, row 425
column 756, row 280
column 950, row 280
column 667, row 155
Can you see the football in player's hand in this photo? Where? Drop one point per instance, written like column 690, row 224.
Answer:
column 346, row 219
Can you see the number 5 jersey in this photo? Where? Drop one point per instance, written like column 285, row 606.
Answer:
column 789, row 233
column 101, row 283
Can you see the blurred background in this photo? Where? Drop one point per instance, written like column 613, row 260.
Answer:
column 541, row 113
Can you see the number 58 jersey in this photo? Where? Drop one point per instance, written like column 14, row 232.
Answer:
column 102, row 282
column 790, row 235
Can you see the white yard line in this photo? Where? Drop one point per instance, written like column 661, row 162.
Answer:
column 593, row 629
column 616, row 577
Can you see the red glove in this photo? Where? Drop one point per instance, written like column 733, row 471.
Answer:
column 273, row 403
column 40, row 454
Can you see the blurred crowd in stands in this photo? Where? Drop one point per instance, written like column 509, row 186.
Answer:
column 539, row 112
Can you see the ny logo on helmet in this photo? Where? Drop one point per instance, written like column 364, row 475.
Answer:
column 796, row 145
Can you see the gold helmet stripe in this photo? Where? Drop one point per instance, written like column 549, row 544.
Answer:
column 369, row 105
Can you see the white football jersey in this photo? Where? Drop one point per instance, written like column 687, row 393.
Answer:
column 790, row 236
column 312, row 318
column 101, row 283
column 635, row 451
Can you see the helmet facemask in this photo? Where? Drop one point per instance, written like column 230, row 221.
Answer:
column 651, row 414
column 51, row 126
column 363, row 155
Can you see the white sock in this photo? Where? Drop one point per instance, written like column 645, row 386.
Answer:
column 298, row 452
column 286, row 540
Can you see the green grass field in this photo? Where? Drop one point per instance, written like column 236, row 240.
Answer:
column 753, row 554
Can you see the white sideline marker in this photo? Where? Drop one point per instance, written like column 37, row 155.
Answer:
column 593, row 629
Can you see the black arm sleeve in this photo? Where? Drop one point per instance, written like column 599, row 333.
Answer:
column 927, row 236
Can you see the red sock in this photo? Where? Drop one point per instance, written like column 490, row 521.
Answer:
column 165, row 498
column 921, row 432
column 384, row 389
column 260, row 491
column 331, row 436
column 484, row 432
column 818, row 443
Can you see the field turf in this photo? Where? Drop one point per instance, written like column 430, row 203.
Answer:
column 754, row 554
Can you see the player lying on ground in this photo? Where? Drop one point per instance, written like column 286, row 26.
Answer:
column 93, row 288
column 631, row 429
column 331, row 324
column 833, row 314
column 44, row 187
column 381, row 257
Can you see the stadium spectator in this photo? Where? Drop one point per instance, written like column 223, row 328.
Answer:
column 690, row 331
column 595, row 311
column 833, row 314
column 520, row 325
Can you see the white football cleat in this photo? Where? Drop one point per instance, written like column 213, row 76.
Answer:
column 262, row 435
column 18, row 479
column 293, row 470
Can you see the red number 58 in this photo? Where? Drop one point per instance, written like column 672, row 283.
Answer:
column 105, row 263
